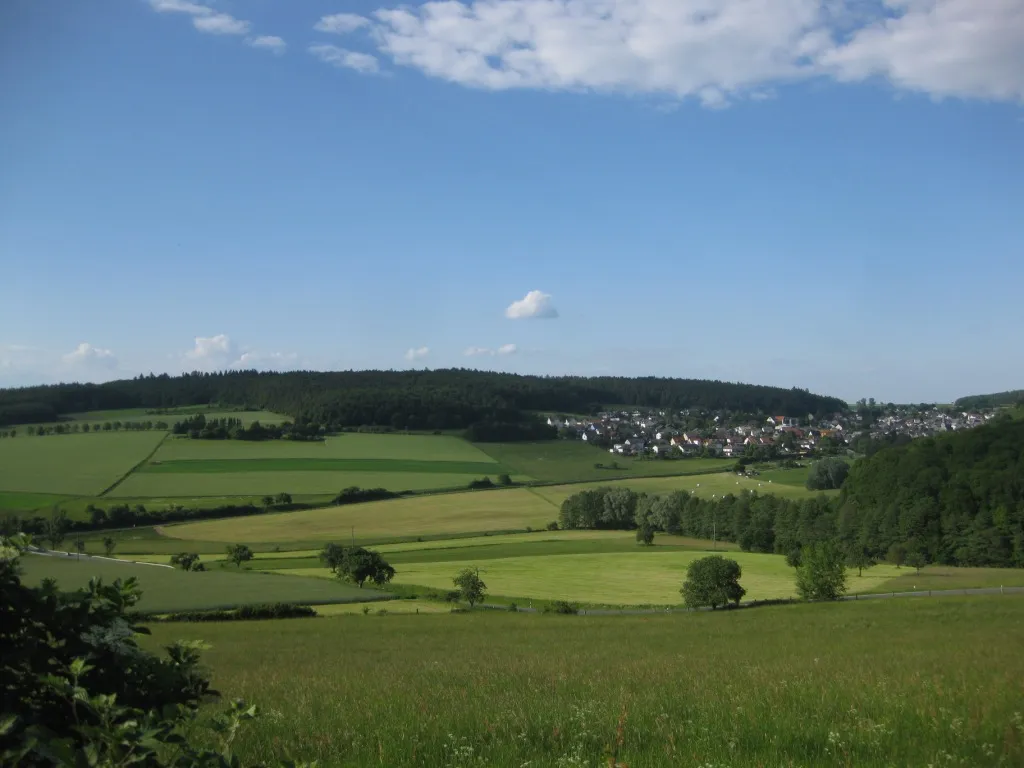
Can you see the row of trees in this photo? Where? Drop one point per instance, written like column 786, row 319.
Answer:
column 76, row 427
column 198, row 427
column 442, row 399
column 955, row 500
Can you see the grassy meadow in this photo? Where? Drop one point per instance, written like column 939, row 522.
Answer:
column 574, row 461
column 168, row 589
column 498, row 510
column 77, row 465
column 880, row 683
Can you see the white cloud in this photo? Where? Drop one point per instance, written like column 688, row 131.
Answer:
column 89, row 356
column 417, row 354
column 535, row 304
column 180, row 6
column 212, row 349
column 221, row 24
column 341, row 23
column 966, row 48
column 712, row 50
column 478, row 352
column 507, row 349
column 342, row 57
column 272, row 43
column 267, row 361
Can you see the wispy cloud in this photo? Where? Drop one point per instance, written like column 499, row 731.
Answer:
column 341, row 23
column 213, row 22
column 342, row 57
column 418, row 353
column 713, row 51
column 86, row 355
column 504, row 349
column 271, row 43
column 535, row 304
column 265, row 361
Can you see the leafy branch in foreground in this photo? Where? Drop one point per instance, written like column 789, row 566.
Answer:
column 79, row 691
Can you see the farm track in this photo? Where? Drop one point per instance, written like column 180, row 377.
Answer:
column 129, row 473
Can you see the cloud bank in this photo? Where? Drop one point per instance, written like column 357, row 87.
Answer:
column 535, row 304
column 715, row 51
column 87, row 355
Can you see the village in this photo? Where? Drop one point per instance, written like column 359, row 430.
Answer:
column 690, row 433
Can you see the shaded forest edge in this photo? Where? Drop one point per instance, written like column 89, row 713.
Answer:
column 441, row 399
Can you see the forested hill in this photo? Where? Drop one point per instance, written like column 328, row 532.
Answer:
column 958, row 498
column 995, row 400
column 451, row 398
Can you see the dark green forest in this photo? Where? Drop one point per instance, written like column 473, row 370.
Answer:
column 442, row 399
column 957, row 499
column 994, row 400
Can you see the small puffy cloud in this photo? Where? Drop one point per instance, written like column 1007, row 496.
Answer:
column 507, row 349
column 535, row 304
column 180, row 6
column 221, row 24
column 478, row 352
column 418, row 353
column 272, row 43
column 212, row 349
column 87, row 355
column 342, row 57
column 341, row 23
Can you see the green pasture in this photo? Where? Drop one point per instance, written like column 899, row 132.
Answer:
column 168, row 589
column 15, row 501
column 717, row 484
column 76, row 464
column 639, row 577
column 870, row 684
column 392, row 607
column 949, row 577
column 575, row 460
column 498, row 510
column 412, row 466
column 177, row 414
column 349, row 445
column 171, row 484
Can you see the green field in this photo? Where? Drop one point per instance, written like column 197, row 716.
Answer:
column 640, row 577
column 878, row 684
column 17, row 501
column 72, row 464
column 167, row 589
column 571, row 461
column 500, row 510
column 177, row 414
column 214, row 466
column 345, row 446
column 228, row 483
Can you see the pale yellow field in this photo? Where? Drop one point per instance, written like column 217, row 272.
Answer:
column 649, row 577
column 165, row 558
column 416, row 516
column 403, row 607
column 718, row 484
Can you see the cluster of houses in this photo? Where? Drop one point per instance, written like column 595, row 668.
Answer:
column 661, row 434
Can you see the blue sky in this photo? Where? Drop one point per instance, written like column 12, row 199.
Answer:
column 817, row 193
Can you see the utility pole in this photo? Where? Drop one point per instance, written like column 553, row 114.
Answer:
column 353, row 535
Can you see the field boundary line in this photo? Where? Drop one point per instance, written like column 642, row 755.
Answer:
column 131, row 471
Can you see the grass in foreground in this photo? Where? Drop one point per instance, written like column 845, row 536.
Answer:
column 167, row 589
column 884, row 683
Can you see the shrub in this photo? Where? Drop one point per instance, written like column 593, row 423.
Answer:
column 553, row 525
column 563, row 607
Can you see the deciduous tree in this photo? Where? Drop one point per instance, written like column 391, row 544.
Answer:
column 712, row 581
column 822, row 572
column 239, row 553
column 470, row 586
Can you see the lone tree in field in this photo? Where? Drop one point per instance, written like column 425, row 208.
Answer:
column 187, row 561
column 712, row 581
column 827, row 475
column 55, row 529
column 822, row 572
column 331, row 556
column 268, row 502
column 858, row 556
column 109, row 543
column 360, row 565
column 470, row 586
column 239, row 553
column 283, row 498
column 645, row 534
column 916, row 560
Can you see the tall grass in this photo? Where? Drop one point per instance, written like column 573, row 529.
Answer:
column 890, row 683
